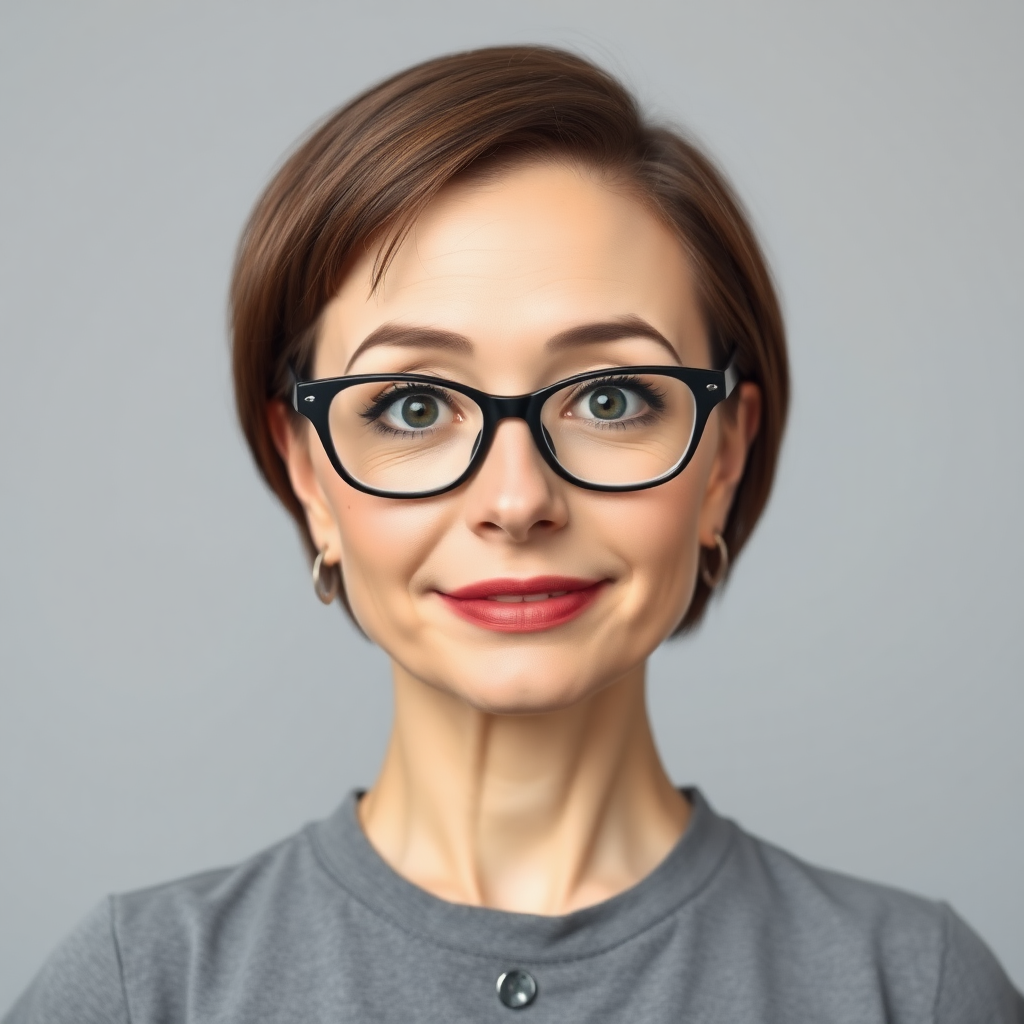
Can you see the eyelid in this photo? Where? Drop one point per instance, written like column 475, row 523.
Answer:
column 621, row 379
column 654, row 398
column 399, row 387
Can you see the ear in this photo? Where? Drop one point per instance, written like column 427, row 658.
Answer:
column 293, row 438
column 738, row 421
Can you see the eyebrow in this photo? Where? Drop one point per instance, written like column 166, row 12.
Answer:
column 610, row 330
column 406, row 336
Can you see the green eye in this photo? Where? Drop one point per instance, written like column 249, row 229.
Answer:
column 419, row 411
column 608, row 403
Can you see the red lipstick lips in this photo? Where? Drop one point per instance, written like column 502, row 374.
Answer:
column 523, row 606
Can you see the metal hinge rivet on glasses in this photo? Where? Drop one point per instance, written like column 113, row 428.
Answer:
column 711, row 387
column 310, row 398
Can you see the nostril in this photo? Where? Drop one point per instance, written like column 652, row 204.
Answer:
column 518, row 531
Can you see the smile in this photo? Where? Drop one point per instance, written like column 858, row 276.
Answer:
column 523, row 606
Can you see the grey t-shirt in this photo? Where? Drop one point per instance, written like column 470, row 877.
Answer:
column 726, row 930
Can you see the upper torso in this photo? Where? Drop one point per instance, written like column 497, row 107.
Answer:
column 320, row 929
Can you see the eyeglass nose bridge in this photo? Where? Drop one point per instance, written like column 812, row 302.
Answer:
column 513, row 407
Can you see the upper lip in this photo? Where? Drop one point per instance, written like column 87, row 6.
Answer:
column 533, row 585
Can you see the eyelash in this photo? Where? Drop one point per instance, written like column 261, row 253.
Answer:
column 651, row 395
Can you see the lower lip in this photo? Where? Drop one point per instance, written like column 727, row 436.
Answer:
column 523, row 616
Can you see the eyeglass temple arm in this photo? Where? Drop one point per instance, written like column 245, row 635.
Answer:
column 732, row 374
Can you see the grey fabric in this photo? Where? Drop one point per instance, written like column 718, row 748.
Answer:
column 728, row 929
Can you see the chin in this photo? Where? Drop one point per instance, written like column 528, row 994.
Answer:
column 519, row 699
column 517, row 686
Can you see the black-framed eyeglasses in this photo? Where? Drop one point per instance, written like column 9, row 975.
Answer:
column 410, row 435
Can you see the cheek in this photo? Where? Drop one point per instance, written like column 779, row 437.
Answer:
column 664, row 539
column 383, row 542
column 655, row 536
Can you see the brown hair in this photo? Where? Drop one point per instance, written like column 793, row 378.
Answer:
column 370, row 168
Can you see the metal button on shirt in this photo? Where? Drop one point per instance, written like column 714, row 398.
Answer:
column 517, row 989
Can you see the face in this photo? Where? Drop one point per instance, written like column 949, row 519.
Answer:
column 492, row 280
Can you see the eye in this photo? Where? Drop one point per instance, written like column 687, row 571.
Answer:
column 415, row 411
column 608, row 402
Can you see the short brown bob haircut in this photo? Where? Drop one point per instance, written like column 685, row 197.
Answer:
column 360, row 179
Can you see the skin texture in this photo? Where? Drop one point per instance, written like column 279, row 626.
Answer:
column 521, row 772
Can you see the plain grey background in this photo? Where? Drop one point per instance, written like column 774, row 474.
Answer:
column 173, row 695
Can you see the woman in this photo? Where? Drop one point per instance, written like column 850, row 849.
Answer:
column 513, row 360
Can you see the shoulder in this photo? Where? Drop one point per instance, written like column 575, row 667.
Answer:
column 915, row 956
column 973, row 985
column 139, row 955
column 826, row 905
column 220, row 903
column 81, row 982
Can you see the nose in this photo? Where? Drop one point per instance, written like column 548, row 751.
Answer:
column 514, row 495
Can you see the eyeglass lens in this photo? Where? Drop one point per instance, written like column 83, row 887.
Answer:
column 405, row 437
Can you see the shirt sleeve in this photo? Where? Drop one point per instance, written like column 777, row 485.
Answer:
column 973, row 988
column 81, row 982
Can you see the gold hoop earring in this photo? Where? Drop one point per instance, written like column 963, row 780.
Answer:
column 713, row 579
column 331, row 592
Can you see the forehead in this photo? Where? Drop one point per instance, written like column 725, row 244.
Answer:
column 514, row 260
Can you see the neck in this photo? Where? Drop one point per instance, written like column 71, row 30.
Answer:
column 538, row 814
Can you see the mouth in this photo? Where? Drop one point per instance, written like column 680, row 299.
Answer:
column 523, row 606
